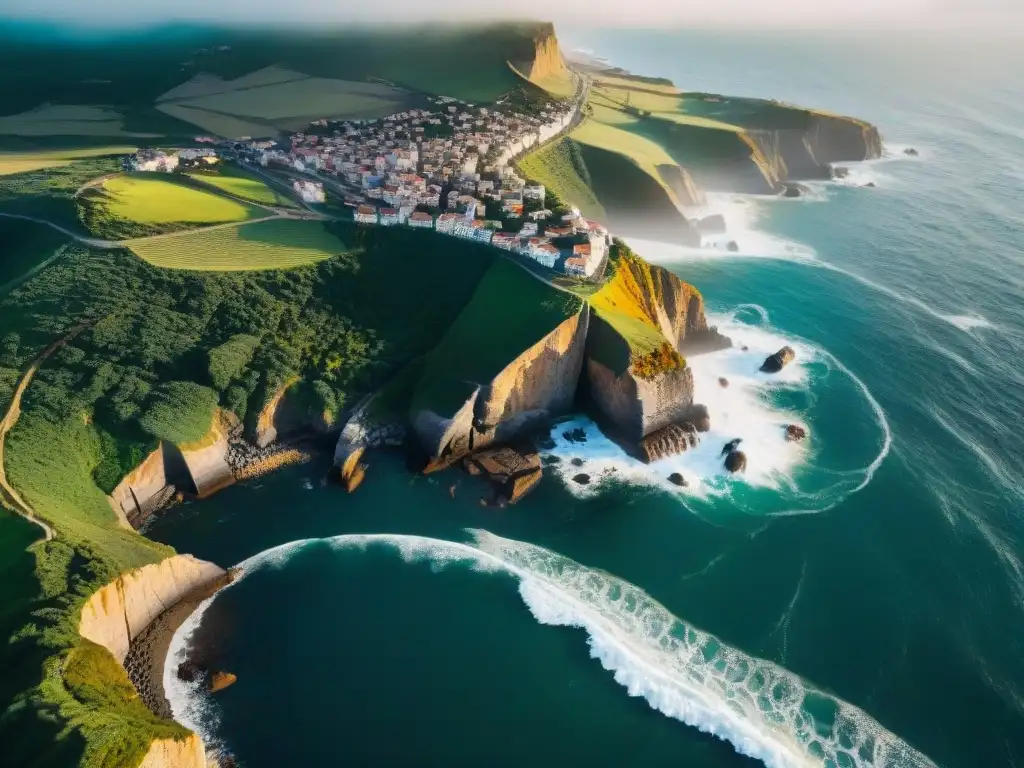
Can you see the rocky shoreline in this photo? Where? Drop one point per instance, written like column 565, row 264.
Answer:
column 147, row 654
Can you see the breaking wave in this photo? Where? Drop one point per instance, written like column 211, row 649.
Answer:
column 763, row 710
column 756, row 407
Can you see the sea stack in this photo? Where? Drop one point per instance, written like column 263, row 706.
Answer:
column 778, row 361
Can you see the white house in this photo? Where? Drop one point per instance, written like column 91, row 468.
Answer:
column 388, row 217
column 542, row 252
column 309, row 192
column 534, row 192
column 366, row 214
column 420, row 219
column 447, row 222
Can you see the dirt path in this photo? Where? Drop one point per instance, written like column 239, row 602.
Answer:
column 8, row 495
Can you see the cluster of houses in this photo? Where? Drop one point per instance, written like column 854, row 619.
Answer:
column 309, row 191
column 159, row 161
column 582, row 242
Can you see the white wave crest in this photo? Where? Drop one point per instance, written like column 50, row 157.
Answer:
column 743, row 409
column 763, row 710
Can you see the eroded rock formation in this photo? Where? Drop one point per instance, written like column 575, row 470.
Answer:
column 514, row 472
column 778, row 361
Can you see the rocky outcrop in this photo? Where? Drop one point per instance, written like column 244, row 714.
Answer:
column 538, row 384
column 682, row 185
column 363, row 431
column 221, row 680
column 207, row 461
column 778, row 361
column 736, row 461
column 795, row 433
column 547, row 60
column 171, row 753
column 120, row 611
column 268, row 424
column 672, row 440
column 807, row 150
column 514, row 472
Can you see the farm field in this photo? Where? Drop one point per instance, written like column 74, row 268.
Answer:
column 270, row 244
column 153, row 200
column 52, row 120
column 235, row 181
column 24, row 162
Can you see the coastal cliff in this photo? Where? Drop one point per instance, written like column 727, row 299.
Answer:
column 144, row 490
column 120, row 611
column 547, row 60
column 169, row 753
column 537, row 384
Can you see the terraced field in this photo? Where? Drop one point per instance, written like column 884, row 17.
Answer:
column 271, row 244
column 154, row 200
column 234, row 181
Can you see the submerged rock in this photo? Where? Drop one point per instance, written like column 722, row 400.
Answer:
column 699, row 416
column 736, row 461
column 731, row 446
column 793, row 190
column 677, row 479
column 723, row 382
column 870, row 184
column 515, row 472
column 221, row 680
column 551, row 459
column 778, row 361
column 578, row 435
column 732, row 246
column 911, row 152
column 795, row 433
column 189, row 671
column 582, row 479
column 840, row 172
column 577, row 462
column 545, row 443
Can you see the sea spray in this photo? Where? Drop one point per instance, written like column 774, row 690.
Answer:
column 781, row 477
column 763, row 710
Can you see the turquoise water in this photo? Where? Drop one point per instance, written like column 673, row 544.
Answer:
column 864, row 593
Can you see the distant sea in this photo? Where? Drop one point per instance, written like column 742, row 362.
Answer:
column 857, row 600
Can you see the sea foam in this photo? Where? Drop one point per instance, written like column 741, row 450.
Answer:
column 748, row 408
column 760, row 708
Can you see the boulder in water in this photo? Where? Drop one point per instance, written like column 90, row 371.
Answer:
column 910, row 152
column 582, row 479
column 731, row 446
column 793, row 190
column 677, row 479
column 736, row 461
column 723, row 382
column 712, row 225
column 545, row 443
column 732, row 246
column 778, row 361
column 577, row 462
column 870, row 184
column 514, row 472
column 795, row 433
column 221, row 680
column 840, row 172
column 699, row 416
column 189, row 671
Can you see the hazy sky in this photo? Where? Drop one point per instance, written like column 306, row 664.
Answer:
column 747, row 13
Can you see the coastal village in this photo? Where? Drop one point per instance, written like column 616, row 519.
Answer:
column 449, row 168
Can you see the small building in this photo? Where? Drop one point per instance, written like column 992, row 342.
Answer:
column 534, row 192
column 576, row 265
column 366, row 214
column 543, row 252
column 559, row 231
column 447, row 222
column 309, row 192
column 388, row 217
column 420, row 219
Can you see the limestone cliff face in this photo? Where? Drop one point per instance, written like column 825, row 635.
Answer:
column 168, row 753
column 537, row 384
column 207, row 463
column 637, row 407
column 807, row 152
column 143, row 490
column 362, row 431
column 268, row 423
column 545, row 60
column 121, row 610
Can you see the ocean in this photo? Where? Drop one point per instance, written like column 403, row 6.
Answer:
column 854, row 600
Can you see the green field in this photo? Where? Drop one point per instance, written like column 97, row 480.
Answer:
column 25, row 162
column 271, row 244
column 489, row 333
column 236, row 182
column 146, row 199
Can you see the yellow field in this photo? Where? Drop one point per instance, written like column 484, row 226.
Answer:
column 638, row 99
column 23, row 162
column 153, row 200
column 272, row 244
column 612, row 81
column 642, row 151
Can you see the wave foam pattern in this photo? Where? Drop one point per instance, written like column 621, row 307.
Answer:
column 763, row 710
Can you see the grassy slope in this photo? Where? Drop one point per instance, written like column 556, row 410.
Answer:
column 509, row 312
column 272, row 244
column 24, row 162
column 237, row 182
column 560, row 167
